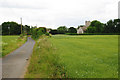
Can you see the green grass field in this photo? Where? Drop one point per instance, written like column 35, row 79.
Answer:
column 93, row 56
column 84, row 56
column 10, row 43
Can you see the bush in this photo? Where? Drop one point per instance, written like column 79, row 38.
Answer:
column 37, row 32
column 53, row 32
column 72, row 30
column 22, row 35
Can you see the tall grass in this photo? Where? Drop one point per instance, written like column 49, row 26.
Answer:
column 44, row 62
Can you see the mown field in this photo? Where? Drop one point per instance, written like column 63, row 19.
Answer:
column 84, row 56
column 93, row 56
column 10, row 43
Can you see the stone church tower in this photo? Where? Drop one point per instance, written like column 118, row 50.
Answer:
column 82, row 29
column 87, row 23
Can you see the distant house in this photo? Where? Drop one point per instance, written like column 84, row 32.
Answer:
column 48, row 30
column 81, row 29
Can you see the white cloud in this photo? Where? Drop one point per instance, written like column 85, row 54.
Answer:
column 54, row 13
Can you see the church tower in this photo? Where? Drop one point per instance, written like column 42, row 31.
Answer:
column 87, row 23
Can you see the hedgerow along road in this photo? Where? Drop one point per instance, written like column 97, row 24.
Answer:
column 14, row 64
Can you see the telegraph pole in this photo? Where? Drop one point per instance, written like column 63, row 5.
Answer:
column 21, row 25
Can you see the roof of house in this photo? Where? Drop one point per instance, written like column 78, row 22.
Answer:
column 84, row 28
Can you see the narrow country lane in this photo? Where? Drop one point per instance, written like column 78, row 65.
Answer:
column 14, row 64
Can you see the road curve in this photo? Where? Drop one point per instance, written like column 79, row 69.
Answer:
column 14, row 64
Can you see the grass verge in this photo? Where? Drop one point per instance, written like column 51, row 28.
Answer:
column 44, row 62
column 10, row 43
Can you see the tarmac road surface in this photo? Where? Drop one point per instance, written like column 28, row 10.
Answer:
column 14, row 64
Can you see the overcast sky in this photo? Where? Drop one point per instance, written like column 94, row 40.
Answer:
column 55, row 13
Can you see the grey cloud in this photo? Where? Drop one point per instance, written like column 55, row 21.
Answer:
column 58, row 12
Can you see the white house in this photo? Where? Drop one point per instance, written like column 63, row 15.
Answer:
column 80, row 30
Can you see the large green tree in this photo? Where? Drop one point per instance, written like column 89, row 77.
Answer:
column 26, row 29
column 62, row 29
column 91, row 29
column 109, row 27
column 72, row 30
column 112, row 26
column 117, row 25
column 37, row 32
column 11, row 28
column 96, row 27
column 53, row 32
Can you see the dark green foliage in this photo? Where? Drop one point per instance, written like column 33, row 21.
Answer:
column 13, row 28
column 53, row 32
column 37, row 32
column 43, row 30
column 34, row 33
column 91, row 29
column 95, row 27
column 62, row 29
column 48, row 34
column 27, row 29
column 112, row 26
column 0, row 29
column 72, row 30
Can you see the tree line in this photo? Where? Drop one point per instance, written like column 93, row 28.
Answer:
column 112, row 26
column 13, row 28
column 63, row 30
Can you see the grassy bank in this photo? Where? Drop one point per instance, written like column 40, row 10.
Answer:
column 10, row 43
column 44, row 62
column 88, row 56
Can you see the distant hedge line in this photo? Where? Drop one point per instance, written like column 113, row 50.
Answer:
column 93, row 34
